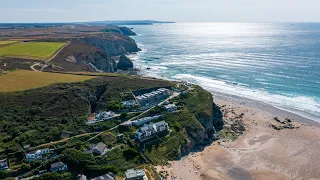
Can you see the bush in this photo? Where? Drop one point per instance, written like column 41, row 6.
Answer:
column 101, row 169
column 25, row 167
column 54, row 176
column 77, row 159
column 114, row 105
column 130, row 153
column 3, row 174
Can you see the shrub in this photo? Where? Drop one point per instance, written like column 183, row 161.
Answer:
column 77, row 159
column 3, row 174
column 130, row 153
column 54, row 176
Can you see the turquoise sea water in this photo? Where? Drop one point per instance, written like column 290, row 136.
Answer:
column 277, row 63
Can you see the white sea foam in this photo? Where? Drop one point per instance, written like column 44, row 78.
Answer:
column 296, row 104
column 247, row 60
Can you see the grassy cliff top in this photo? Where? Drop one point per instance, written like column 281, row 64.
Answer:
column 21, row 80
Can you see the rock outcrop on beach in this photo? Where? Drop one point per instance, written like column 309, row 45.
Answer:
column 124, row 63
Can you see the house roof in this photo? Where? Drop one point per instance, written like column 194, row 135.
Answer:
column 131, row 173
column 170, row 106
column 57, row 165
column 65, row 134
column 82, row 177
column 100, row 146
column 153, row 126
column 4, row 161
column 105, row 177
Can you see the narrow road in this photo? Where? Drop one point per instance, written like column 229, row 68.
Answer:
column 48, row 60
column 33, row 67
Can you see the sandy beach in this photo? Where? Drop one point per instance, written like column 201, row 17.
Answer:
column 270, row 148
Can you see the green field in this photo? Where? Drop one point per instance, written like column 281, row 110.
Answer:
column 6, row 42
column 23, row 80
column 31, row 50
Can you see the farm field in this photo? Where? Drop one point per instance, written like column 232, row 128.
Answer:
column 6, row 42
column 31, row 50
column 21, row 80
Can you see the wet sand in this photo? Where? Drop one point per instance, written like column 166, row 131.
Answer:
column 261, row 153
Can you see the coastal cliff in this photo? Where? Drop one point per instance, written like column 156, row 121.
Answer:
column 113, row 44
column 78, row 56
column 95, row 53
column 120, row 30
column 191, row 127
column 201, row 106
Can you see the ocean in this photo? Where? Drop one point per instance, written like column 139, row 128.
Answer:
column 275, row 63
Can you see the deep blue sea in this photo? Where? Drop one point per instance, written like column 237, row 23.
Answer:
column 276, row 63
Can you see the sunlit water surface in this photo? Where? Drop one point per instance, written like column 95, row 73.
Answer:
column 277, row 63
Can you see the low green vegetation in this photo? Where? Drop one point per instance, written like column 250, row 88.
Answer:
column 38, row 116
column 6, row 42
column 31, row 50
column 21, row 80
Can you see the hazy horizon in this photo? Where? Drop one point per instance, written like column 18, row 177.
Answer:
column 38, row 11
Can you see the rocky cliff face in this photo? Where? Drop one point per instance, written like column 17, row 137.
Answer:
column 120, row 30
column 126, row 31
column 113, row 44
column 207, row 115
column 124, row 63
column 79, row 56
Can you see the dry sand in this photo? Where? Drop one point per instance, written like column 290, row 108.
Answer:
column 260, row 153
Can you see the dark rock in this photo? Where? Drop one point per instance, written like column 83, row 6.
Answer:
column 217, row 117
column 126, row 31
column 124, row 63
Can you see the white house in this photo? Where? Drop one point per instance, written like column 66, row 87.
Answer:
column 58, row 166
column 153, row 97
column 148, row 131
column 37, row 155
column 145, row 120
column 171, row 108
column 132, row 174
column 130, row 103
column 4, row 164
column 105, row 115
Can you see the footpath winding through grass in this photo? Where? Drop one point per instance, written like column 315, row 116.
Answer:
column 21, row 80
column 31, row 50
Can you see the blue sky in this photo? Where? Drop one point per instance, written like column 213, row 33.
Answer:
column 173, row 10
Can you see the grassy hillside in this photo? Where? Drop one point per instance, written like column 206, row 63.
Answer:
column 21, row 80
column 31, row 50
column 39, row 115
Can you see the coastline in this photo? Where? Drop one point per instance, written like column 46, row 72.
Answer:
column 216, row 69
column 262, row 152
column 277, row 112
